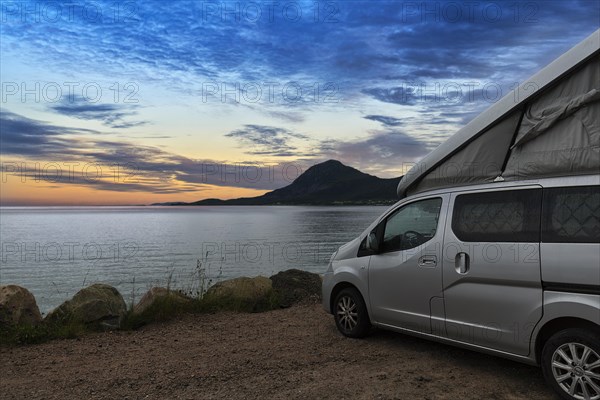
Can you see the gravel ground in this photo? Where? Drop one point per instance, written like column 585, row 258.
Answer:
column 295, row 353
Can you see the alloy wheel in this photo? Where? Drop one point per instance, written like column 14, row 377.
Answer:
column 347, row 313
column 576, row 369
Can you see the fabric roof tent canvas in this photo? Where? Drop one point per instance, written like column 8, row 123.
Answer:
column 560, row 131
column 550, row 130
column 481, row 160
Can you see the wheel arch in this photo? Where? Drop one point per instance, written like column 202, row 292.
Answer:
column 338, row 288
column 558, row 324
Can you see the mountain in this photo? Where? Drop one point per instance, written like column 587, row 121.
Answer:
column 330, row 182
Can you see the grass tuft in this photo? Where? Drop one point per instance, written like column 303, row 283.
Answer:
column 35, row 334
column 162, row 309
column 232, row 303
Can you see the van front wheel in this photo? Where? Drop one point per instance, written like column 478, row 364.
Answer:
column 350, row 313
column 571, row 364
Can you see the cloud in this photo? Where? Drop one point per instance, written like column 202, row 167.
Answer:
column 404, row 95
column 175, row 44
column 141, row 168
column 151, row 169
column 112, row 115
column 268, row 140
column 462, row 118
column 385, row 120
column 25, row 136
column 381, row 151
column 287, row 116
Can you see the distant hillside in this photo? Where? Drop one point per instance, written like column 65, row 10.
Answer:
column 330, row 182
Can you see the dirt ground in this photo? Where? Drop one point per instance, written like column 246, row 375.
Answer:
column 295, row 353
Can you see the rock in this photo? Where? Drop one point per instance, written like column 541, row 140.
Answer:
column 156, row 293
column 241, row 294
column 97, row 306
column 295, row 286
column 18, row 306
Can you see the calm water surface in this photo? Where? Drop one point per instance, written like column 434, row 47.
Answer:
column 54, row 252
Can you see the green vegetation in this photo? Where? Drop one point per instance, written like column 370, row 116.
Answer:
column 211, row 303
column 162, row 309
column 171, row 306
column 34, row 334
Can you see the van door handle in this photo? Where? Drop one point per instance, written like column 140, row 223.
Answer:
column 427, row 261
column 461, row 263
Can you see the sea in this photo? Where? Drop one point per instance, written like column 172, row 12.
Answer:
column 56, row 251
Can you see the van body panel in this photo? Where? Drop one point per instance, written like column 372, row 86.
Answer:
column 571, row 263
column 353, row 271
column 572, row 305
column 567, row 305
column 529, row 359
column 438, row 316
column 401, row 287
column 347, row 251
column 400, row 291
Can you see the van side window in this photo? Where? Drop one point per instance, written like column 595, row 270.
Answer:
column 412, row 225
column 498, row 216
column 571, row 215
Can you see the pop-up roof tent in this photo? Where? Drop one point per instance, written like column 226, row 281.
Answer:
column 549, row 126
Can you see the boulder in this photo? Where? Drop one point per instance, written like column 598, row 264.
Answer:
column 295, row 286
column 18, row 306
column 241, row 294
column 156, row 293
column 97, row 306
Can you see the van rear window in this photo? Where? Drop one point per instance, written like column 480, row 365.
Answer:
column 571, row 215
column 499, row 216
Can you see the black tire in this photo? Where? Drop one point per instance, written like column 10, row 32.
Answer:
column 350, row 313
column 575, row 376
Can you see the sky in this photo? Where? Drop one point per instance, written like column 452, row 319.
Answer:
column 137, row 102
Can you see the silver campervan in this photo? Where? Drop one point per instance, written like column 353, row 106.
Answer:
column 495, row 243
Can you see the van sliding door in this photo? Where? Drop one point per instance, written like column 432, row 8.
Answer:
column 491, row 268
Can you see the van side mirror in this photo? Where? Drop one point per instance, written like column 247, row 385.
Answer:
column 372, row 242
